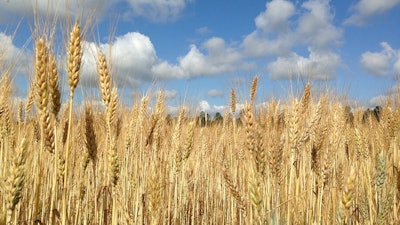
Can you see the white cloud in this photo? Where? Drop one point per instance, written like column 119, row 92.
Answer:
column 382, row 63
column 204, row 106
column 315, row 27
column 396, row 67
column 378, row 100
column 312, row 29
column 219, row 58
column 12, row 57
column 275, row 17
column 153, row 10
column 158, row 10
column 15, row 9
column 365, row 9
column 207, row 108
column 375, row 63
column 203, row 30
column 134, row 60
column 215, row 93
column 319, row 65
column 273, row 35
column 132, row 57
column 170, row 94
column 256, row 45
column 278, row 31
column 392, row 93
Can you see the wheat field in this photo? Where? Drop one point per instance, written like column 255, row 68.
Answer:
column 307, row 160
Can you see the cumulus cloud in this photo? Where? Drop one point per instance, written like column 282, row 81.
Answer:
column 158, row 10
column 278, row 32
column 272, row 35
column 206, row 107
column 153, row 10
column 131, row 58
column 218, row 58
column 377, row 100
column 392, row 93
column 12, row 57
column 203, row 30
column 365, row 9
column 215, row 93
column 319, row 66
column 382, row 63
column 14, row 9
column 275, row 17
column 134, row 60
column 170, row 94
column 315, row 27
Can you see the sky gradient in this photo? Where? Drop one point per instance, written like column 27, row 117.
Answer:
column 196, row 50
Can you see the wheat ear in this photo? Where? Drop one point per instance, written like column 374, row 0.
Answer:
column 74, row 57
column 54, row 90
column 16, row 180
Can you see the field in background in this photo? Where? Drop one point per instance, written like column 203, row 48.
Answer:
column 309, row 160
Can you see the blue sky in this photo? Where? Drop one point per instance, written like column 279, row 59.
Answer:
column 198, row 49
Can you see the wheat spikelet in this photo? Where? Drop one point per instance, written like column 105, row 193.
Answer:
column 233, row 101
column 54, row 90
column 160, row 104
column 234, row 190
column 255, row 196
column 16, row 179
column 340, row 177
column 363, row 206
column 159, row 114
column 41, row 74
column 360, row 143
column 104, row 78
column 397, row 179
column 5, row 118
column 114, row 167
column 176, row 140
column 154, row 188
column 317, row 149
column 64, row 125
column 311, row 128
column 349, row 189
column 294, row 127
column 253, row 89
column 142, row 113
column 276, row 160
column 250, row 125
column 384, row 208
column 61, row 167
column 31, row 97
column 189, row 141
column 74, row 57
column 380, row 170
column 259, row 154
column 36, row 131
column 20, row 105
column 150, row 136
column 90, row 137
column 305, row 99
column 48, row 134
column 5, row 84
column 112, row 107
